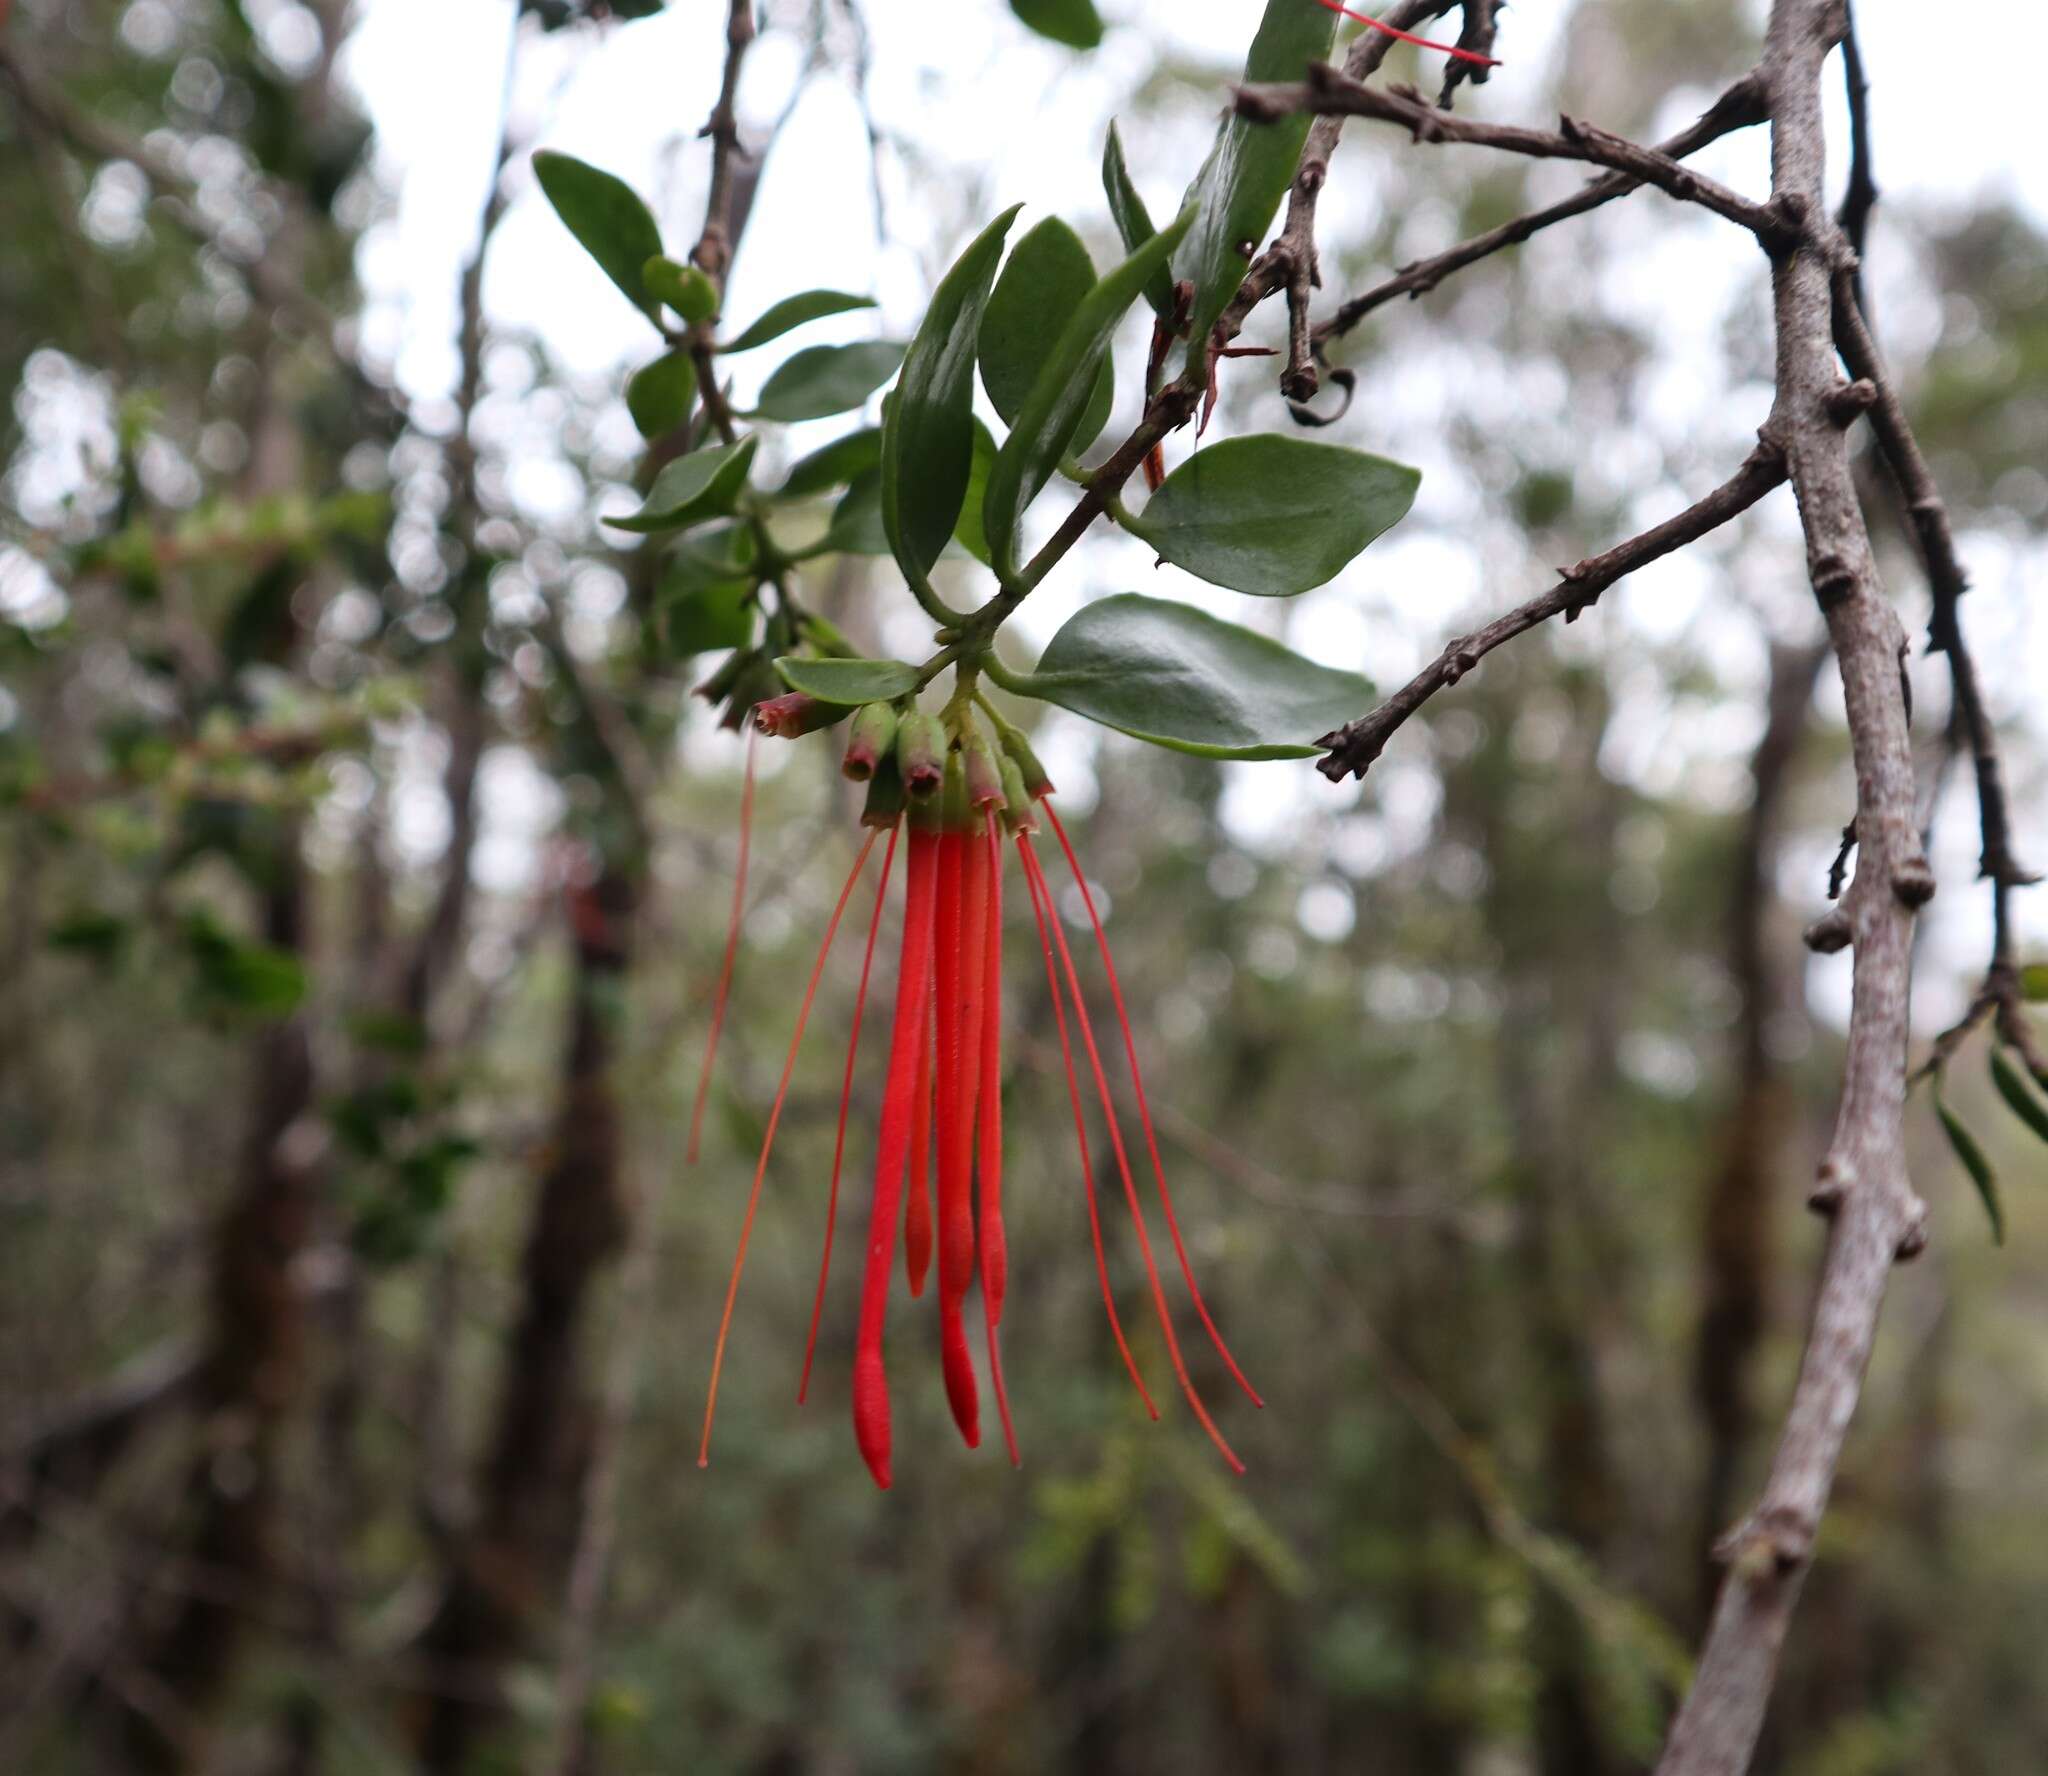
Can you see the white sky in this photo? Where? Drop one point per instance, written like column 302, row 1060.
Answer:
column 1004, row 117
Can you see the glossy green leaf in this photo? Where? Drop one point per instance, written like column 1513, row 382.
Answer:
column 857, row 527
column 689, row 490
column 707, row 556
column 837, row 464
column 1047, row 277
column 825, row 379
column 683, row 287
column 606, row 215
column 967, row 532
column 2020, row 1097
column 928, row 431
column 1179, row 677
column 1133, row 221
column 1248, row 171
column 1973, row 1161
column 794, row 311
column 848, row 681
column 1059, row 397
column 1271, row 514
column 1075, row 23
column 660, row 395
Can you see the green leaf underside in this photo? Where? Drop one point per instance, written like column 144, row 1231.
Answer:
column 660, row 394
column 606, row 216
column 1973, row 1161
column 709, row 618
column 838, row 464
column 1248, row 171
column 705, row 557
column 1047, row 420
column 689, row 490
column 1273, row 515
column 822, row 380
column 1048, row 276
column 1072, row 22
column 1179, row 677
column 967, row 532
column 794, row 311
column 2019, row 1096
column 848, row 681
column 683, row 287
column 928, row 430
column 1133, row 220
column 856, row 527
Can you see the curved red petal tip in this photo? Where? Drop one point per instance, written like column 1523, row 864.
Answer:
column 871, row 1415
column 962, row 1395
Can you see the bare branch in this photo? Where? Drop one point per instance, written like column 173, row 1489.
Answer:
column 1327, row 90
column 1354, row 746
column 1875, row 1217
column 1738, row 108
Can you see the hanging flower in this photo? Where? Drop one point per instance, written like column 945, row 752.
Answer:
column 957, row 805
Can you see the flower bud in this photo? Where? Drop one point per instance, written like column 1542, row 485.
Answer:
column 885, row 796
column 1036, row 782
column 794, row 714
column 984, row 775
column 953, row 798
column 921, row 753
column 873, row 739
column 1017, row 815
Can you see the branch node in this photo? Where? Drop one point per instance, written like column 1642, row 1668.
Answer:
column 1914, row 1240
column 1829, row 933
column 1833, row 579
column 1846, row 402
column 1831, row 1184
column 1913, row 882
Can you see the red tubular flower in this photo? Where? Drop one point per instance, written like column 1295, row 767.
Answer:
column 944, row 1085
column 913, row 995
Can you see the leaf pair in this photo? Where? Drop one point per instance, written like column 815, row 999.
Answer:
column 2023, row 1101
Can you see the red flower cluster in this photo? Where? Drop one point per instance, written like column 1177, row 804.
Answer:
column 943, row 1090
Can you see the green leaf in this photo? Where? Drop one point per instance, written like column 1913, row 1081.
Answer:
column 1181, row 678
column 256, row 978
column 1072, row 22
column 606, row 215
column 2034, row 981
column 683, row 287
column 1271, row 514
column 927, row 431
column 2014, row 1089
column 848, row 681
column 1249, row 169
column 967, row 533
column 1974, row 1162
column 660, row 394
column 388, row 1032
column 1065, row 385
column 100, row 936
column 689, row 490
column 1133, row 221
column 1048, row 276
column 857, row 527
column 826, row 379
column 794, row 311
column 838, row 464
column 708, row 618
column 706, row 557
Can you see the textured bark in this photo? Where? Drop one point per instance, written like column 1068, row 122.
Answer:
column 1874, row 1216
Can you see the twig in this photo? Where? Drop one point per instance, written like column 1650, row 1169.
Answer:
column 1738, row 108
column 1327, row 90
column 1859, row 197
column 1354, row 746
column 1863, row 1188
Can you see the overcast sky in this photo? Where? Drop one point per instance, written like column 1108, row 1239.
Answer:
column 1009, row 118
